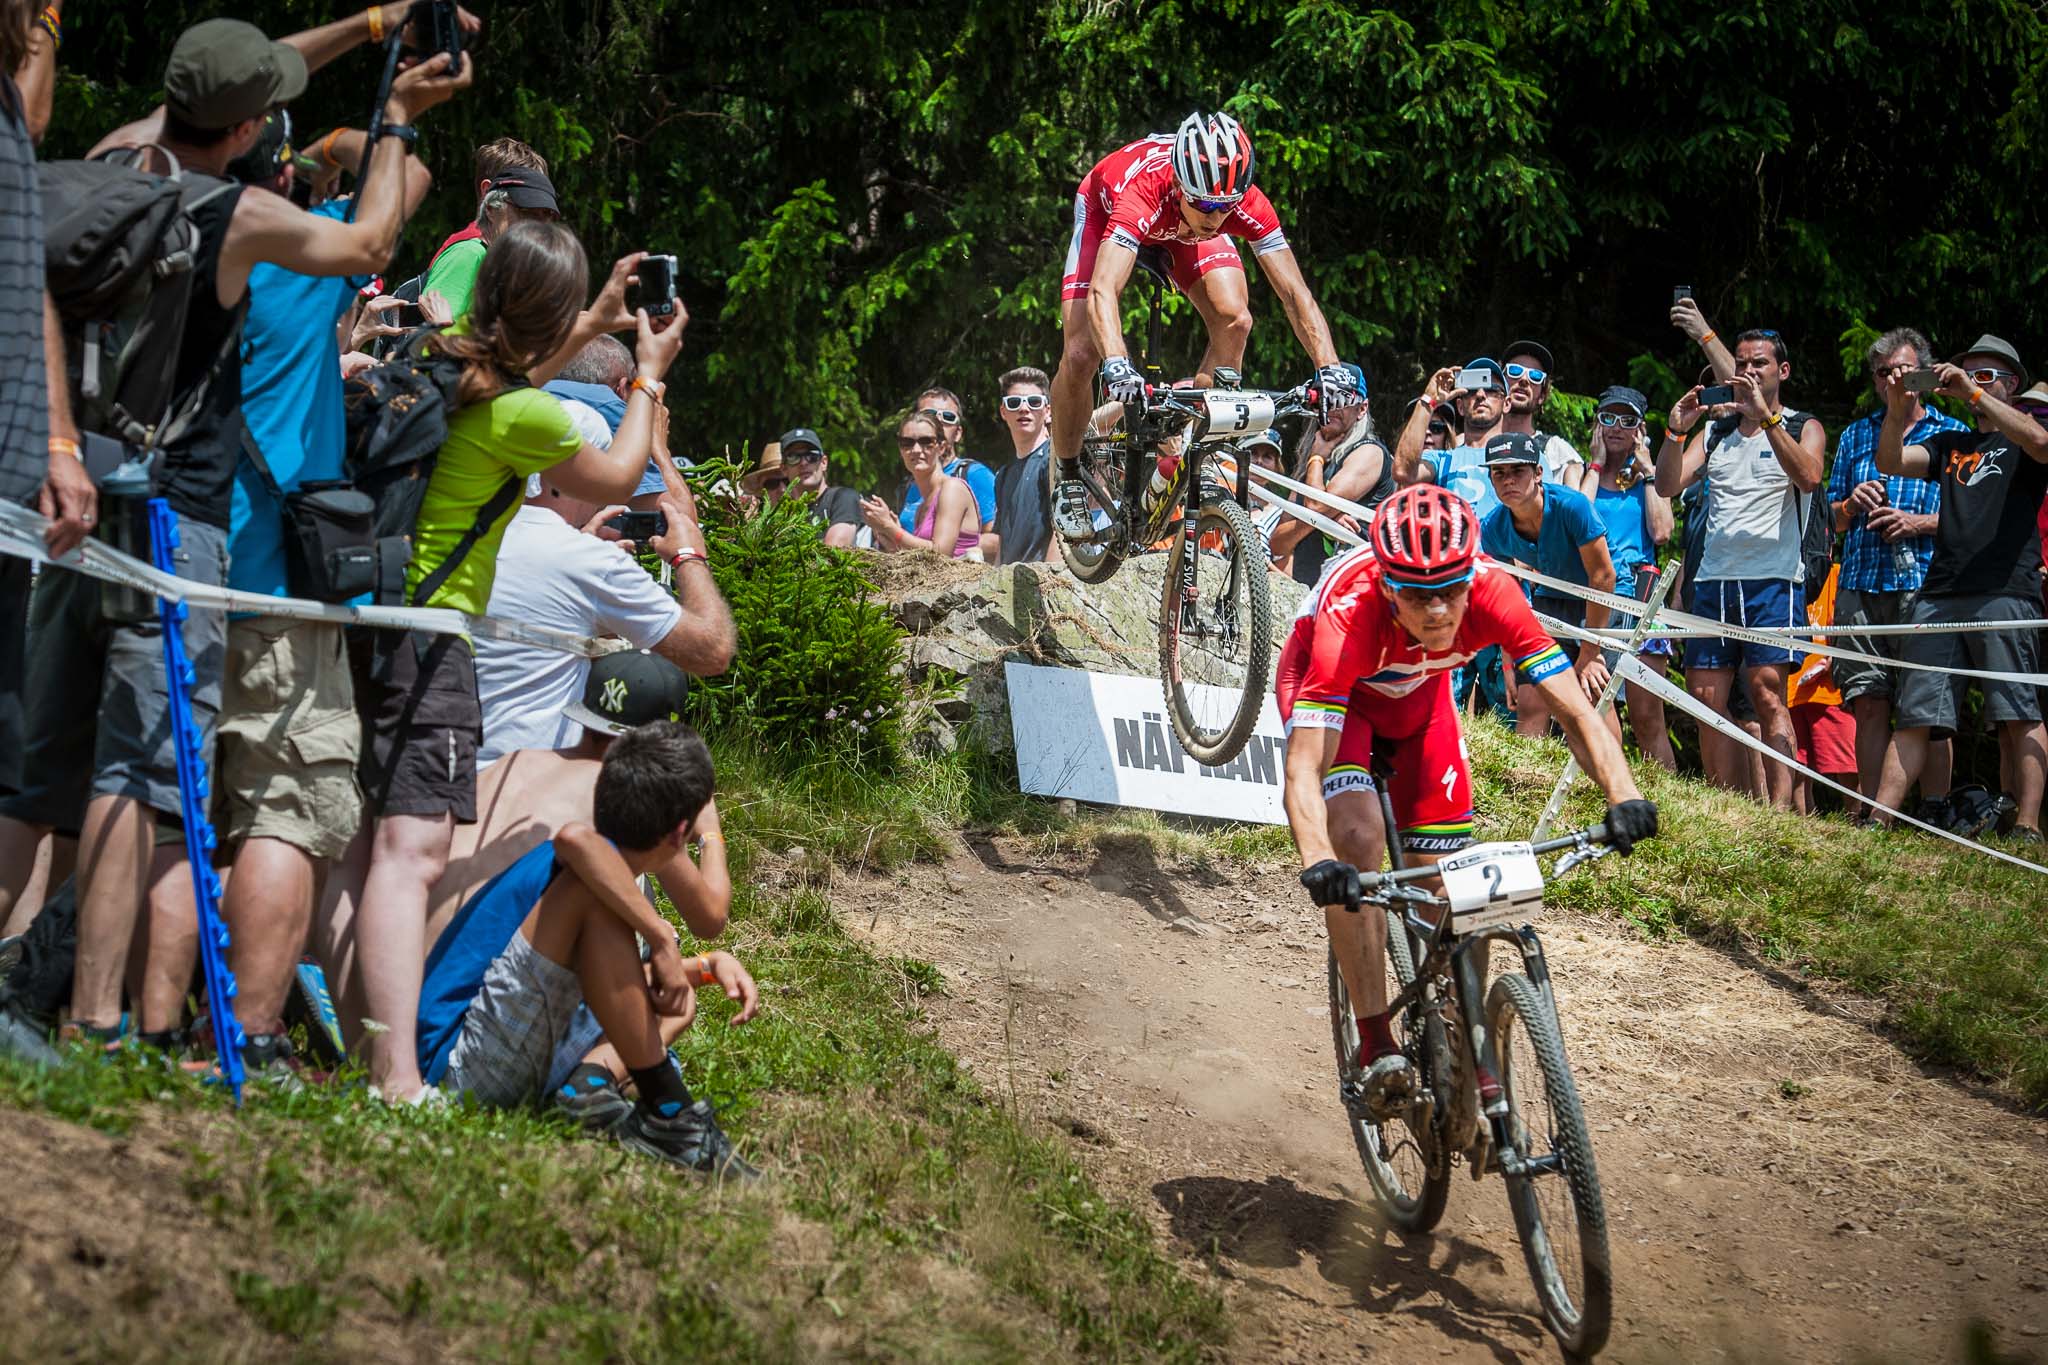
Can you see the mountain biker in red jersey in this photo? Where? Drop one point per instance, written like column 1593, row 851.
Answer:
column 1370, row 659
column 1178, row 198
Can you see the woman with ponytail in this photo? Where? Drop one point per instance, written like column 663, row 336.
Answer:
column 416, row 692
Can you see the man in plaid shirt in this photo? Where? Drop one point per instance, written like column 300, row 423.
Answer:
column 1888, row 526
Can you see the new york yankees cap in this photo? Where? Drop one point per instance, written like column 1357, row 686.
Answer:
column 629, row 689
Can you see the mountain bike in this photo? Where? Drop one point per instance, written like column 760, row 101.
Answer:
column 1491, row 1085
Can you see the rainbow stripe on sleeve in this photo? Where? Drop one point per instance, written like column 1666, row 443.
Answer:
column 1546, row 662
column 1313, row 713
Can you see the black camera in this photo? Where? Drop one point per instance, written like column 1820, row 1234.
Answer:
column 443, row 32
column 654, row 286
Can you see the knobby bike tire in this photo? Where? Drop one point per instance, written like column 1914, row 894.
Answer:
column 1553, row 1123
column 1246, row 563
column 1409, row 1210
column 1090, row 561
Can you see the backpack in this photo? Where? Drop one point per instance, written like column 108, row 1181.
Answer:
column 120, row 246
column 1816, row 533
column 396, row 417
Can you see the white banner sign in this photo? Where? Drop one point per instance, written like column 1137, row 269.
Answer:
column 1106, row 738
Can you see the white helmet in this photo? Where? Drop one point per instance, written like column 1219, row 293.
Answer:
column 1212, row 157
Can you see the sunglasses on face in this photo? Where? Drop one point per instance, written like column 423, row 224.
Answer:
column 919, row 442
column 1438, row 427
column 1627, row 421
column 805, row 456
column 946, row 415
column 1516, row 370
column 1019, row 402
column 1214, row 205
column 1989, row 375
column 774, row 485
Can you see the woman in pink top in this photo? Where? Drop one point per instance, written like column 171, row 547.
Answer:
column 947, row 518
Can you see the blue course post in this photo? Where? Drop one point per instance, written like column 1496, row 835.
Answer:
column 228, row 1037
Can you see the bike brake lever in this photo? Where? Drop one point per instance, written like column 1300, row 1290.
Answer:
column 1588, row 854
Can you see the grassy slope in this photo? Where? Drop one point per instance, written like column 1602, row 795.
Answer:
column 911, row 1216
column 1955, row 944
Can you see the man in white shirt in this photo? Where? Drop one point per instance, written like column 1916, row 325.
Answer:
column 561, row 568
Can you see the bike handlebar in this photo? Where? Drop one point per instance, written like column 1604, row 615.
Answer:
column 1596, row 836
column 1292, row 402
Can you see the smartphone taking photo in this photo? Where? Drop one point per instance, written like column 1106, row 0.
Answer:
column 1680, row 293
column 640, row 526
column 1475, row 378
column 1714, row 395
column 1919, row 381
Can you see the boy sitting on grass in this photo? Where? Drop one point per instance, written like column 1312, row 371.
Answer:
column 538, row 990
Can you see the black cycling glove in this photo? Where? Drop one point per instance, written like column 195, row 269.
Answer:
column 1628, row 822
column 1333, row 883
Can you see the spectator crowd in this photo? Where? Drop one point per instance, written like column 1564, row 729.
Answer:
column 454, row 828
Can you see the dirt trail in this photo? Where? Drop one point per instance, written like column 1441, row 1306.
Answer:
column 1781, row 1183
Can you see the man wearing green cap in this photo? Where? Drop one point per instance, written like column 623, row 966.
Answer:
column 100, row 758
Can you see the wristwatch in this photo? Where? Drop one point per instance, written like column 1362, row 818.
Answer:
column 404, row 132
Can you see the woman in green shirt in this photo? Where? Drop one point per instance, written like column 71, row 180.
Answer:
column 416, row 692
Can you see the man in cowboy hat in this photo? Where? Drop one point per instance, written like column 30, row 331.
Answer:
column 797, row 464
column 1986, row 567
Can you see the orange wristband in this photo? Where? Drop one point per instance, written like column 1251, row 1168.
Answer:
column 653, row 386
column 375, row 14
column 1706, row 337
column 63, row 445
column 1975, row 395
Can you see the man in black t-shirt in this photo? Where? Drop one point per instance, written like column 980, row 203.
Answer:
column 1987, row 567
column 802, row 461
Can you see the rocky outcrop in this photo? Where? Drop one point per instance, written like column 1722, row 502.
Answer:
column 969, row 623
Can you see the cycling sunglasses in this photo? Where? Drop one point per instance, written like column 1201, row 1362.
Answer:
column 1018, row 402
column 1516, row 370
column 1627, row 421
column 946, row 415
column 802, row 455
column 1989, row 375
column 1214, row 205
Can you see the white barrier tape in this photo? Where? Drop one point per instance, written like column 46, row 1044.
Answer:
column 21, row 534
column 1314, row 518
column 1696, row 628
column 1673, row 695
column 1723, row 630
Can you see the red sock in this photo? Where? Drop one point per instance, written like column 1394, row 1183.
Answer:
column 1375, row 1037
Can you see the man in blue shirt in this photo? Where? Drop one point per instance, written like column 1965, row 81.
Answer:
column 601, row 375
column 1887, row 526
column 1555, row 531
column 289, row 738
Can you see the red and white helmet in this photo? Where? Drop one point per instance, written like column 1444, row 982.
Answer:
column 1425, row 536
column 1212, row 157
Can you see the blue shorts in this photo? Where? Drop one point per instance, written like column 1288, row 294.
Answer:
column 1771, row 603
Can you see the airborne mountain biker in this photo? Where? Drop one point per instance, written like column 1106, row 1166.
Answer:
column 1369, row 659
column 1181, row 196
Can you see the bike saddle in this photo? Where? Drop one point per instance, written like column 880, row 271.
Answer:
column 1154, row 261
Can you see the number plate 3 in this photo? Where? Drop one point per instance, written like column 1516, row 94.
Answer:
column 1489, row 884
column 1233, row 414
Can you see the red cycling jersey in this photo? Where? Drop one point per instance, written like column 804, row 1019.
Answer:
column 1349, row 666
column 1131, row 198
column 1355, row 643
column 1139, row 200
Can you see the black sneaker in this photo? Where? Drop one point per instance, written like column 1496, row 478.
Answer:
column 691, row 1138
column 594, row 1103
column 2008, row 814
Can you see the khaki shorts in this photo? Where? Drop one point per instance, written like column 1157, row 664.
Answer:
column 289, row 737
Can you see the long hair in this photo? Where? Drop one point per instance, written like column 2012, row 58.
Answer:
column 532, row 284
column 16, row 18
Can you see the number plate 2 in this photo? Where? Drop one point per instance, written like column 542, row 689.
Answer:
column 1233, row 414
column 1490, row 884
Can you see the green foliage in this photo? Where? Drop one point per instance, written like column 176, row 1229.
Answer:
column 870, row 198
column 818, row 664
